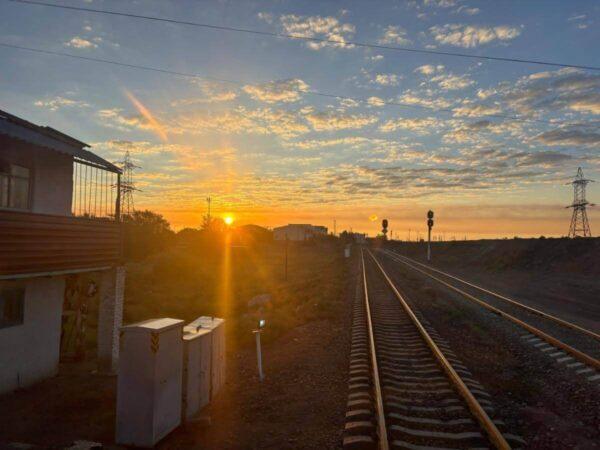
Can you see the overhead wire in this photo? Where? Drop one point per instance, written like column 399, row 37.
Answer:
column 243, row 83
column 338, row 42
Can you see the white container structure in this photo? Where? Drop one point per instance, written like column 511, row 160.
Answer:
column 347, row 251
column 197, row 354
column 149, row 382
column 217, row 364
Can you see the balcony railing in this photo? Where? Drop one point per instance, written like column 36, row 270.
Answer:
column 41, row 244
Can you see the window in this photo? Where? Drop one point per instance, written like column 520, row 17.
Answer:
column 12, row 299
column 14, row 186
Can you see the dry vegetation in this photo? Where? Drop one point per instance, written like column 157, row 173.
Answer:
column 186, row 282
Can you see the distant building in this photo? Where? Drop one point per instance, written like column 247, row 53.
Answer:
column 46, row 179
column 360, row 238
column 298, row 232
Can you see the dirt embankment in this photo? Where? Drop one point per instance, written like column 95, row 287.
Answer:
column 575, row 256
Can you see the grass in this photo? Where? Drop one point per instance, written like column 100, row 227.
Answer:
column 187, row 282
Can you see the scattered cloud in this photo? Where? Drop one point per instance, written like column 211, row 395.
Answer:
column 285, row 91
column 375, row 58
column 375, row 101
column 419, row 126
column 469, row 109
column 541, row 159
column 266, row 17
column 331, row 121
column 319, row 27
column 464, row 9
column 469, row 36
column 446, row 81
column 429, row 69
column 570, row 135
column 477, row 132
column 440, row 3
column 212, row 92
column 569, row 89
column 79, row 42
column 427, row 101
column 394, row 35
column 352, row 141
column 386, row 79
column 265, row 121
column 58, row 102
column 114, row 118
column 450, row 82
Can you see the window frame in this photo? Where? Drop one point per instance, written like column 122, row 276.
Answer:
column 14, row 286
column 9, row 176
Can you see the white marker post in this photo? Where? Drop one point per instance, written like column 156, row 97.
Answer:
column 261, row 325
column 429, row 226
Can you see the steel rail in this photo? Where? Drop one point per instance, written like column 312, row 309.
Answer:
column 381, row 424
column 583, row 357
column 476, row 409
column 504, row 298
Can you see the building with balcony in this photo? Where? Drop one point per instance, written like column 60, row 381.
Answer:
column 298, row 232
column 59, row 217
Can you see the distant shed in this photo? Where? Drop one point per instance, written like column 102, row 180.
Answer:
column 298, row 232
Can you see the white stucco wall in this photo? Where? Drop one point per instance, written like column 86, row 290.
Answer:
column 30, row 352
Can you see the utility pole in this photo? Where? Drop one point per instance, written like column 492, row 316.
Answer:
column 409, row 235
column 334, row 228
column 286, row 256
column 208, row 201
column 429, row 227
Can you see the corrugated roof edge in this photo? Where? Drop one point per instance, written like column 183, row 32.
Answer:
column 52, row 139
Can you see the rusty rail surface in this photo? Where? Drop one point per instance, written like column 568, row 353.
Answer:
column 476, row 409
column 381, row 424
column 33, row 243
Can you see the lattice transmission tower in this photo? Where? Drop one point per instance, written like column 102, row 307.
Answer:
column 127, row 184
column 580, row 226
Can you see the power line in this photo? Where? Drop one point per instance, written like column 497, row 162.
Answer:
column 241, row 83
column 306, row 38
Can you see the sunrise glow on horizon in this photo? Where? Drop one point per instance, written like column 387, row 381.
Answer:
column 408, row 132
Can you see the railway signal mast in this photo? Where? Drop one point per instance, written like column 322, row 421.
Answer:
column 580, row 226
column 429, row 227
column 384, row 230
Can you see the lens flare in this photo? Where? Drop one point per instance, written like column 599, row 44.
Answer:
column 373, row 217
column 153, row 124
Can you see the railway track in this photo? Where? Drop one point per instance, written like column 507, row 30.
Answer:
column 407, row 389
column 579, row 361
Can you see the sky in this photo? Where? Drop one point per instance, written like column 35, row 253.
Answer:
column 412, row 132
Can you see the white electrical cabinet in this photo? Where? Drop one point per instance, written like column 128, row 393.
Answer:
column 149, row 382
column 217, row 363
column 197, row 353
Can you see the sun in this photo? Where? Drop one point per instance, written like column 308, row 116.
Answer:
column 228, row 220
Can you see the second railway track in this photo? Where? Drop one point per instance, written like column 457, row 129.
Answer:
column 547, row 340
column 407, row 388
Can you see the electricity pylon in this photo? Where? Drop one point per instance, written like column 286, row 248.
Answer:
column 127, row 185
column 580, row 226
